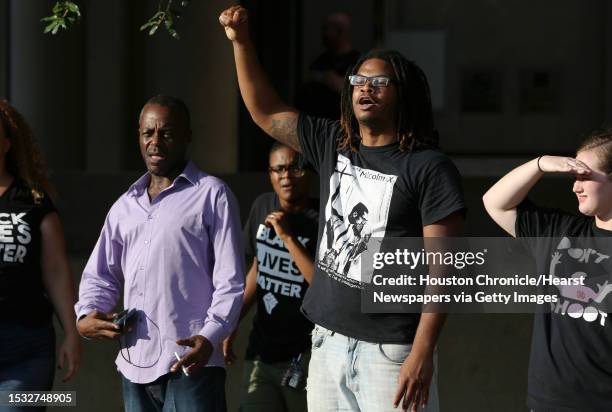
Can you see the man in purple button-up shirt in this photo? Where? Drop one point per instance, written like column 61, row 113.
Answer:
column 172, row 242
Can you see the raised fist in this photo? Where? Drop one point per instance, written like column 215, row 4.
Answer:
column 235, row 22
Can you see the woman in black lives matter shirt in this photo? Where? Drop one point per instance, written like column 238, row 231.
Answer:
column 34, row 273
column 570, row 367
column 280, row 239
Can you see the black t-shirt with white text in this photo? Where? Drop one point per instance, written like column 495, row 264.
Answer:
column 570, row 367
column 22, row 295
column 280, row 331
column 373, row 192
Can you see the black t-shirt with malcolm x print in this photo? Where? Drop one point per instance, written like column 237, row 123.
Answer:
column 22, row 295
column 280, row 331
column 570, row 367
column 376, row 191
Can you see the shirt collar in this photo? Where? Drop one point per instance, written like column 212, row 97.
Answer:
column 189, row 173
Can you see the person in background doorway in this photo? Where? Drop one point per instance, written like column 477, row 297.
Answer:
column 320, row 95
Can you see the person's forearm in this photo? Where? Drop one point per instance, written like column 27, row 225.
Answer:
column 222, row 316
column 301, row 257
column 250, row 290
column 431, row 324
column 427, row 334
column 102, row 279
column 512, row 189
column 97, row 291
column 228, row 270
column 56, row 272
column 258, row 94
column 247, row 303
column 63, row 297
column 267, row 109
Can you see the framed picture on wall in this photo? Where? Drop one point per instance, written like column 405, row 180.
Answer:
column 481, row 90
column 539, row 91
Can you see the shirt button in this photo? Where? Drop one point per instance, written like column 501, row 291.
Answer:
column 141, row 268
column 149, row 216
column 146, row 242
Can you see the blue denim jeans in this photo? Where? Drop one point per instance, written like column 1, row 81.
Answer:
column 27, row 360
column 347, row 374
column 202, row 391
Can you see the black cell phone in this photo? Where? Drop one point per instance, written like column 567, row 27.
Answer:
column 125, row 317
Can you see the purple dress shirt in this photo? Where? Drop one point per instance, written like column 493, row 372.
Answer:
column 178, row 260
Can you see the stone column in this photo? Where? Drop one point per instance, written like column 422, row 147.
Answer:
column 47, row 83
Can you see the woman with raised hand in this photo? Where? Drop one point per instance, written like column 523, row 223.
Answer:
column 570, row 367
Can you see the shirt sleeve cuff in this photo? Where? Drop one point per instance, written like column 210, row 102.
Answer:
column 214, row 333
column 83, row 310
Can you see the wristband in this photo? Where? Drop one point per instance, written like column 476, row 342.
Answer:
column 538, row 163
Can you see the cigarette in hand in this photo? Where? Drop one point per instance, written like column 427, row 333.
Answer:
column 178, row 358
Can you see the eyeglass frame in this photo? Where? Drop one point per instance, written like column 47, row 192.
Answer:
column 291, row 170
column 371, row 80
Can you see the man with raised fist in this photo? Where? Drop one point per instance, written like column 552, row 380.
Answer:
column 381, row 155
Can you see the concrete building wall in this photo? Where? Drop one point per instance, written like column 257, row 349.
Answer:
column 565, row 37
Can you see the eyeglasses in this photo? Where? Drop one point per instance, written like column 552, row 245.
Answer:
column 376, row 81
column 293, row 170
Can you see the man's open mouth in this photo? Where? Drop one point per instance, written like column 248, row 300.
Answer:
column 156, row 157
column 366, row 102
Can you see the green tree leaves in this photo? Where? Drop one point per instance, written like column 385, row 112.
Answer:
column 66, row 13
column 166, row 16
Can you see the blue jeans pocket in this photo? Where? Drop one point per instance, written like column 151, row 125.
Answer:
column 394, row 352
